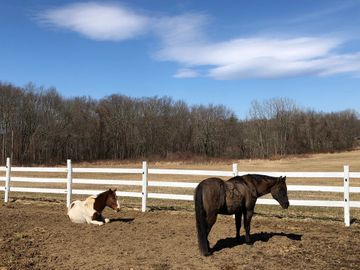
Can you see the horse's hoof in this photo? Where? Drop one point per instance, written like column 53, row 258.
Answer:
column 207, row 254
column 107, row 220
column 248, row 241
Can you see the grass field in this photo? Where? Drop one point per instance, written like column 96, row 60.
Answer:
column 331, row 162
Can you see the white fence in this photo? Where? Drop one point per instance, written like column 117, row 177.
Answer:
column 346, row 175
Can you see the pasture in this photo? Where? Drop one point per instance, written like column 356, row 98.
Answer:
column 38, row 235
column 35, row 232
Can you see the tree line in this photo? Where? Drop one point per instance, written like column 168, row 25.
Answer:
column 40, row 126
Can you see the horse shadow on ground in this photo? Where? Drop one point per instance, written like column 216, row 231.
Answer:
column 231, row 242
column 126, row 220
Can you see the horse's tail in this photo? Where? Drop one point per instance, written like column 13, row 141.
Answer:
column 201, row 223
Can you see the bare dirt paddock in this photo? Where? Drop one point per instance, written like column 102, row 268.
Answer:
column 39, row 235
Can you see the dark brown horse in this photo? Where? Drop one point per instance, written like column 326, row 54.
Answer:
column 237, row 196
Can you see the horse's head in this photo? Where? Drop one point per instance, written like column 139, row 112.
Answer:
column 279, row 192
column 112, row 200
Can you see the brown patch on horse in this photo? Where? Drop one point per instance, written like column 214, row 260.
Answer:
column 97, row 216
column 107, row 198
column 100, row 201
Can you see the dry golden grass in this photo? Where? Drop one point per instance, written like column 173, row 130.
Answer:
column 316, row 162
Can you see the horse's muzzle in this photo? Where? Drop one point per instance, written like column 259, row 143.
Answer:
column 285, row 205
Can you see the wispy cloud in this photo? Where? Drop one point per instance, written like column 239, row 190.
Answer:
column 245, row 50
column 97, row 21
column 324, row 12
column 186, row 73
column 253, row 57
column 182, row 39
column 182, row 29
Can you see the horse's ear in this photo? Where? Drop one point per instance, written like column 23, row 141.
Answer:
column 115, row 189
column 283, row 178
column 110, row 189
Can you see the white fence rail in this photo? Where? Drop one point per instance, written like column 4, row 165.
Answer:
column 346, row 175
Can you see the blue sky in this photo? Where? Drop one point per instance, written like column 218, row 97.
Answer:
column 202, row 52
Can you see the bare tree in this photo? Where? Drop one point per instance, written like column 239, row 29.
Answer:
column 38, row 125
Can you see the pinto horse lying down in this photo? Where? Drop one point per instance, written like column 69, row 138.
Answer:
column 89, row 211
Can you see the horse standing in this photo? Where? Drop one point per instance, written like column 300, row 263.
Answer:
column 89, row 211
column 237, row 196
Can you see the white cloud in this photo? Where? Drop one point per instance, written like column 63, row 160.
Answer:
column 186, row 73
column 183, row 40
column 341, row 63
column 97, row 21
column 273, row 66
column 253, row 57
column 183, row 29
column 246, row 50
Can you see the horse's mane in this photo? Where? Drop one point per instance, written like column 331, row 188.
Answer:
column 259, row 177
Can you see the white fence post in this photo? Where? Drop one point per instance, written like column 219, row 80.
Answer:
column 346, row 196
column 69, row 183
column 144, row 186
column 7, row 180
column 235, row 169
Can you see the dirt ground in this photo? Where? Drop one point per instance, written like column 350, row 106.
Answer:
column 39, row 235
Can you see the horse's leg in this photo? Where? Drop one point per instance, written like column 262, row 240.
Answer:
column 211, row 219
column 95, row 222
column 248, row 213
column 238, row 225
column 105, row 220
column 96, row 219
